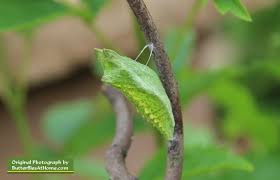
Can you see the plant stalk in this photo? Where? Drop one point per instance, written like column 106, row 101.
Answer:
column 176, row 145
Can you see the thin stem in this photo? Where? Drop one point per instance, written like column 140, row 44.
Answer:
column 14, row 97
column 117, row 152
column 195, row 10
column 18, row 113
column 102, row 38
column 141, row 42
column 23, row 81
column 175, row 146
column 138, row 34
column 83, row 11
column 5, row 75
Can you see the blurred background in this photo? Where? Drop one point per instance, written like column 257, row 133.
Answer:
column 228, row 71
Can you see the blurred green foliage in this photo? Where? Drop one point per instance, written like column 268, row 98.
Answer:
column 90, row 169
column 201, row 156
column 14, row 14
column 71, row 114
column 242, row 116
column 78, row 127
column 258, row 40
column 259, row 55
column 266, row 167
column 246, row 94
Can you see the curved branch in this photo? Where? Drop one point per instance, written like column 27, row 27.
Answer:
column 175, row 146
column 116, row 154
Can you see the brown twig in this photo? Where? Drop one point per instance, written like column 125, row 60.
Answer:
column 175, row 146
column 116, row 154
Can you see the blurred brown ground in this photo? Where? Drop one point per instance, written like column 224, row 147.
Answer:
column 59, row 69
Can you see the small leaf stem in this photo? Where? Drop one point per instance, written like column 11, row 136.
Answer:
column 15, row 98
column 193, row 14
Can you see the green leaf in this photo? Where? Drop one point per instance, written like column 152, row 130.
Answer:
column 192, row 83
column 141, row 85
column 90, row 169
column 233, row 6
column 70, row 125
column 100, row 130
column 61, row 120
column 249, row 39
column 209, row 159
column 16, row 14
column 266, row 167
column 198, row 160
column 199, row 137
column 179, row 44
column 242, row 117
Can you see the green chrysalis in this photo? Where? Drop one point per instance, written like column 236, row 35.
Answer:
column 141, row 85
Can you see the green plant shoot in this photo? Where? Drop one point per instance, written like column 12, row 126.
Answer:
column 141, row 85
column 233, row 6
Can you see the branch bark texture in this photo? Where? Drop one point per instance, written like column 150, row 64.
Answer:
column 175, row 146
column 116, row 154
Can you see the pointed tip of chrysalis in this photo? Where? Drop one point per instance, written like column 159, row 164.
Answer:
column 105, row 53
column 97, row 50
column 98, row 53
